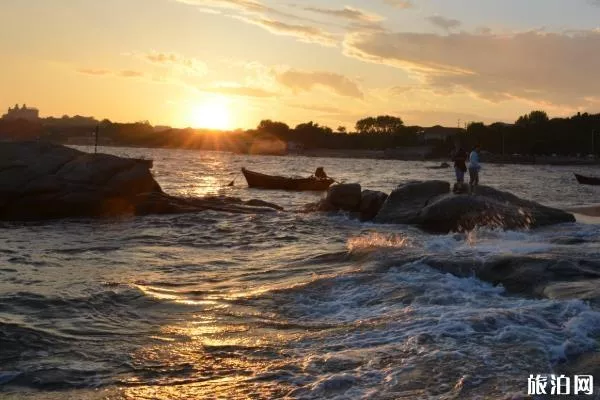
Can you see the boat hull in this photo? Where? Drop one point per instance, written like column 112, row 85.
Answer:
column 586, row 180
column 270, row 182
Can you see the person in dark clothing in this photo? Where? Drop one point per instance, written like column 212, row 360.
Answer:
column 320, row 173
column 460, row 164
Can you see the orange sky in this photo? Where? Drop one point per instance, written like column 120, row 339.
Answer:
column 231, row 63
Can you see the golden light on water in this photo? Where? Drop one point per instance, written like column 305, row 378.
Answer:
column 198, row 363
column 212, row 113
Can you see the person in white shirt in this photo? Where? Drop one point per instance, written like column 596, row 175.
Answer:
column 474, row 168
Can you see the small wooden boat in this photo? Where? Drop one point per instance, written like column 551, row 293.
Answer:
column 587, row 180
column 262, row 181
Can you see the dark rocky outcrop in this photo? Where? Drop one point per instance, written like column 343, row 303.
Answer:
column 370, row 203
column 489, row 207
column 349, row 197
column 529, row 275
column 460, row 188
column 161, row 203
column 43, row 181
column 345, row 196
column 406, row 202
column 320, row 206
column 431, row 206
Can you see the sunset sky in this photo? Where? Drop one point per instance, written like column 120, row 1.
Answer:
column 231, row 63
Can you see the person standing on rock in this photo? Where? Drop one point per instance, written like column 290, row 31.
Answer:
column 460, row 166
column 474, row 168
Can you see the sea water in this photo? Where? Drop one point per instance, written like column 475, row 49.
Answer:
column 285, row 305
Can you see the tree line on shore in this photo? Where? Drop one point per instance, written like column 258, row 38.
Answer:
column 531, row 134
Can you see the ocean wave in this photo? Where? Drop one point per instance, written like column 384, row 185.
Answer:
column 388, row 329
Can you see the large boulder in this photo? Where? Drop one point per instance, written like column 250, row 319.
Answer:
column 42, row 180
column 405, row 203
column 489, row 207
column 370, row 203
column 431, row 206
column 345, row 196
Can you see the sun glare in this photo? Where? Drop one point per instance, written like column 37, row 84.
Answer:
column 212, row 114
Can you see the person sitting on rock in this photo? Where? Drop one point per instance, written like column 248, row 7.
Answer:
column 320, row 173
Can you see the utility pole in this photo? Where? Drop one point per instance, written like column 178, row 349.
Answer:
column 96, row 141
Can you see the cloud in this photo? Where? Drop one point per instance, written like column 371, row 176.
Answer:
column 181, row 64
column 105, row 72
column 96, row 72
column 271, row 19
column 243, row 5
column 349, row 13
column 246, row 7
column 400, row 3
column 307, row 80
column 549, row 68
column 305, row 33
column 443, row 22
column 400, row 90
column 239, row 90
column 313, row 107
column 130, row 74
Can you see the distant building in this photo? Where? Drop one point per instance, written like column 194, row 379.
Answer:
column 30, row 114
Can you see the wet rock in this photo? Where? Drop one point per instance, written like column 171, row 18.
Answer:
column 320, row 206
column 161, row 203
column 489, row 207
column 431, row 206
column 583, row 289
column 261, row 203
column 345, row 196
column 405, row 203
column 43, row 181
column 529, row 275
column 460, row 188
column 370, row 203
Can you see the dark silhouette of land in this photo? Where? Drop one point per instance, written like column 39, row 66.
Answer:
column 532, row 138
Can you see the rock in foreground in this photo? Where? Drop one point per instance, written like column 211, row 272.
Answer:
column 345, row 196
column 349, row 197
column 45, row 181
column 489, row 207
column 431, row 206
column 405, row 203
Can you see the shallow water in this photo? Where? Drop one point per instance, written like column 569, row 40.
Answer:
column 301, row 306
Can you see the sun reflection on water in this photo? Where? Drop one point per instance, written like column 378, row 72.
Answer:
column 208, row 359
column 205, row 185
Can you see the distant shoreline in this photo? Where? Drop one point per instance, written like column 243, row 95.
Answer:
column 492, row 159
column 383, row 155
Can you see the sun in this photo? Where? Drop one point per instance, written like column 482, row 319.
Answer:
column 211, row 114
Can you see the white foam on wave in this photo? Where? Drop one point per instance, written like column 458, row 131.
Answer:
column 484, row 242
column 377, row 241
column 394, row 326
